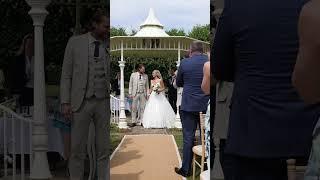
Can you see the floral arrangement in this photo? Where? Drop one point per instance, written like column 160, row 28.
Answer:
column 156, row 87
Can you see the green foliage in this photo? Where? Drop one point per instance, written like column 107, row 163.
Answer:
column 161, row 64
column 200, row 32
column 118, row 31
column 15, row 23
column 176, row 32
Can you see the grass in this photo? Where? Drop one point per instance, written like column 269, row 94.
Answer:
column 115, row 137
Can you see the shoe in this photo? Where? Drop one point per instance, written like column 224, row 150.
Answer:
column 131, row 124
column 181, row 173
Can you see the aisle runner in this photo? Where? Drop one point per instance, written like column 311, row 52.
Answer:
column 145, row 157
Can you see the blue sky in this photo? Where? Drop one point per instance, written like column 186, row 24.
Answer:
column 171, row 13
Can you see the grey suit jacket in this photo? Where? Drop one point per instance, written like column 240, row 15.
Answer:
column 75, row 71
column 223, row 101
column 133, row 84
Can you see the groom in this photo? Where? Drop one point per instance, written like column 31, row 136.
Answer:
column 85, row 94
column 189, row 77
column 138, row 92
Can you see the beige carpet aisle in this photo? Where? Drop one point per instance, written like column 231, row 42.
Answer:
column 145, row 157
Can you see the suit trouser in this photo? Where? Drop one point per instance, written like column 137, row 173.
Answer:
column 141, row 98
column 173, row 102
column 95, row 110
column 189, row 121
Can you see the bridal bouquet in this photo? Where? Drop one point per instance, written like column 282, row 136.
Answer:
column 156, row 87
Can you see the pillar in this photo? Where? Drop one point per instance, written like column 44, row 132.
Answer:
column 40, row 168
column 177, row 122
column 122, row 116
column 78, row 25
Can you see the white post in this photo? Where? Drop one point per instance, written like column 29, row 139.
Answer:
column 178, row 119
column 122, row 117
column 40, row 168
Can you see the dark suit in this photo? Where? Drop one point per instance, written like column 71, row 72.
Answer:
column 172, row 93
column 189, row 77
column 256, row 46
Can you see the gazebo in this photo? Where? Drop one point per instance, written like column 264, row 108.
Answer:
column 150, row 41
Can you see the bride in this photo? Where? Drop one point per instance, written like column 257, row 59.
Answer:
column 158, row 112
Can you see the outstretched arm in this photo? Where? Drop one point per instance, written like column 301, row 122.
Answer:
column 131, row 85
column 150, row 90
column 205, row 86
column 162, row 87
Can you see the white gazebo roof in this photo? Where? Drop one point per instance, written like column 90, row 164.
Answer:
column 151, row 27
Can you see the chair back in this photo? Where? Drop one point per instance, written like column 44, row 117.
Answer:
column 202, row 133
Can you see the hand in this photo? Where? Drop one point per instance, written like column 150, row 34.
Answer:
column 66, row 110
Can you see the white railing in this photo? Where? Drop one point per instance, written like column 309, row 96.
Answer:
column 115, row 109
column 13, row 141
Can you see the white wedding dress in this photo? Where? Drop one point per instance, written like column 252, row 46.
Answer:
column 158, row 112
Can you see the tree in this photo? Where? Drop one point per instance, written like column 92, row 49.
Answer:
column 176, row 32
column 133, row 32
column 118, row 31
column 200, row 32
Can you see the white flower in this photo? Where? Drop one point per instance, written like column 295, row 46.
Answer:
column 156, row 87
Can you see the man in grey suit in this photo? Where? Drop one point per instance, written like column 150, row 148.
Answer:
column 85, row 95
column 138, row 91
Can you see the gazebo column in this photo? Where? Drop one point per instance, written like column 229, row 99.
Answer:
column 122, row 117
column 177, row 123
column 40, row 168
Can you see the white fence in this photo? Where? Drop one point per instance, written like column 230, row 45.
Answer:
column 13, row 142
column 115, row 109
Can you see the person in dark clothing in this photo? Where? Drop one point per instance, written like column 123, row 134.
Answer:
column 22, row 71
column 255, row 46
column 172, row 91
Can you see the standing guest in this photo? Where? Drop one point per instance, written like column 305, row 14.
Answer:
column 306, row 77
column 172, row 91
column 306, row 73
column 138, row 92
column 23, row 68
column 2, row 86
column 85, row 94
column 116, row 84
column 268, row 121
column 189, row 77
column 180, row 89
column 205, row 86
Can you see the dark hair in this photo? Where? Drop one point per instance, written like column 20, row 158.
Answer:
column 96, row 18
column 186, row 55
column 140, row 66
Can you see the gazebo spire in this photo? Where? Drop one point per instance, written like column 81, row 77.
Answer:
column 151, row 20
column 151, row 27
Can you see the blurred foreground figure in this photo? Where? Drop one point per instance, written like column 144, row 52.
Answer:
column 306, row 76
column 255, row 46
